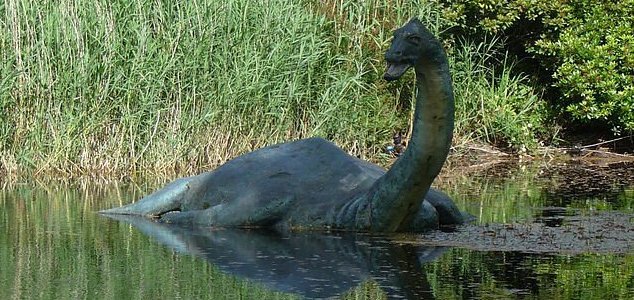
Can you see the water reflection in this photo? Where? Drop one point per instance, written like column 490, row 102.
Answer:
column 312, row 265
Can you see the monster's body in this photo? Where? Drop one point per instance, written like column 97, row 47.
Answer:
column 259, row 189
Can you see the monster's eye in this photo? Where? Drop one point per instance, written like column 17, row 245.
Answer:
column 414, row 38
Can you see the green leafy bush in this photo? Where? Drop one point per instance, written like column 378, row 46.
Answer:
column 584, row 47
column 595, row 65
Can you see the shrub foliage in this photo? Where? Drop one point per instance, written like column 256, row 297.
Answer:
column 585, row 48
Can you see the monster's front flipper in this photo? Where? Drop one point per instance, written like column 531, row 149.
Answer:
column 233, row 214
column 158, row 203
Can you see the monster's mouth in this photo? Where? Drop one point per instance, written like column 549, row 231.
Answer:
column 395, row 70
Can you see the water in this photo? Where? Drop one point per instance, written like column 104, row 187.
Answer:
column 54, row 246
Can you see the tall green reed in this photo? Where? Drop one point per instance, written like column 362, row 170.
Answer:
column 494, row 104
column 118, row 88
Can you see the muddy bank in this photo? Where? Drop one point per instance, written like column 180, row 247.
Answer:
column 602, row 232
column 567, row 182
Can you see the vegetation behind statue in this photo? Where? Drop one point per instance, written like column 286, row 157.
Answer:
column 174, row 90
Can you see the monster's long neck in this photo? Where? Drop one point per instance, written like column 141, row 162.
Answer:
column 396, row 197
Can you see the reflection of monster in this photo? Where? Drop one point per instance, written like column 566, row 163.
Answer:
column 312, row 184
column 309, row 264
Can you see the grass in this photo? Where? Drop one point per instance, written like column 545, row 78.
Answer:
column 165, row 88
column 495, row 105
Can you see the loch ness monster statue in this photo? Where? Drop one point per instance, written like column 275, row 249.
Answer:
column 311, row 184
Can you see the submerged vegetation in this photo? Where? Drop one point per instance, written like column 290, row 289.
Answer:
column 114, row 88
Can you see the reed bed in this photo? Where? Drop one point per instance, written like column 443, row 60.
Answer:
column 129, row 88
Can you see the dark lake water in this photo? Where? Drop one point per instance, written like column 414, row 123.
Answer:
column 54, row 246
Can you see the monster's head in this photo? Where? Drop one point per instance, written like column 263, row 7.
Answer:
column 409, row 46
